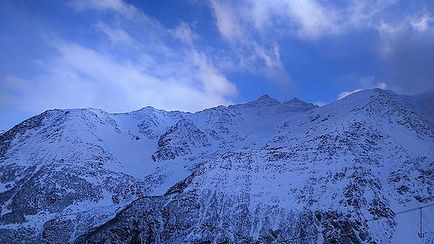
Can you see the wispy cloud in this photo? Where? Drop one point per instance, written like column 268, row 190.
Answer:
column 228, row 23
column 252, row 54
column 256, row 29
column 310, row 18
column 116, row 35
column 406, row 53
column 307, row 18
column 343, row 94
column 133, row 65
column 82, row 77
column 252, row 27
column 118, row 6
column 184, row 33
column 422, row 23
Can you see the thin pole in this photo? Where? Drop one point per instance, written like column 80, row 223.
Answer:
column 421, row 232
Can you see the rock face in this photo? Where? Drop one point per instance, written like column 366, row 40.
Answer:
column 180, row 140
column 264, row 171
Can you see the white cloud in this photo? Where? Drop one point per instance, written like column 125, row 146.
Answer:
column 273, row 68
column 365, row 13
column 116, row 35
column 421, row 23
column 143, row 68
column 255, row 29
column 233, row 21
column 118, row 6
column 213, row 81
column 405, row 53
column 343, row 94
column 82, row 77
column 313, row 20
column 184, row 33
column 392, row 34
column 307, row 18
column 253, row 26
column 227, row 21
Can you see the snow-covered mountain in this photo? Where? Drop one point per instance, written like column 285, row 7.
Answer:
column 262, row 171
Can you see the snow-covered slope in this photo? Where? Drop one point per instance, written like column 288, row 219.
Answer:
column 261, row 171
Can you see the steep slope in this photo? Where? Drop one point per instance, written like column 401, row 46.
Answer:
column 262, row 171
column 76, row 164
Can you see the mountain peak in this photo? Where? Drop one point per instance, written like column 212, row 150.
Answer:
column 297, row 105
column 264, row 100
column 295, row 101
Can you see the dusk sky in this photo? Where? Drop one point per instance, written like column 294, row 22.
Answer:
column 189, row 55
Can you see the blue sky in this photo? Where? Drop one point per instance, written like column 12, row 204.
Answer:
column 189, row 55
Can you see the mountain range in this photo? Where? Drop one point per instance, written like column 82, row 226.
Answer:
column 258, row 172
